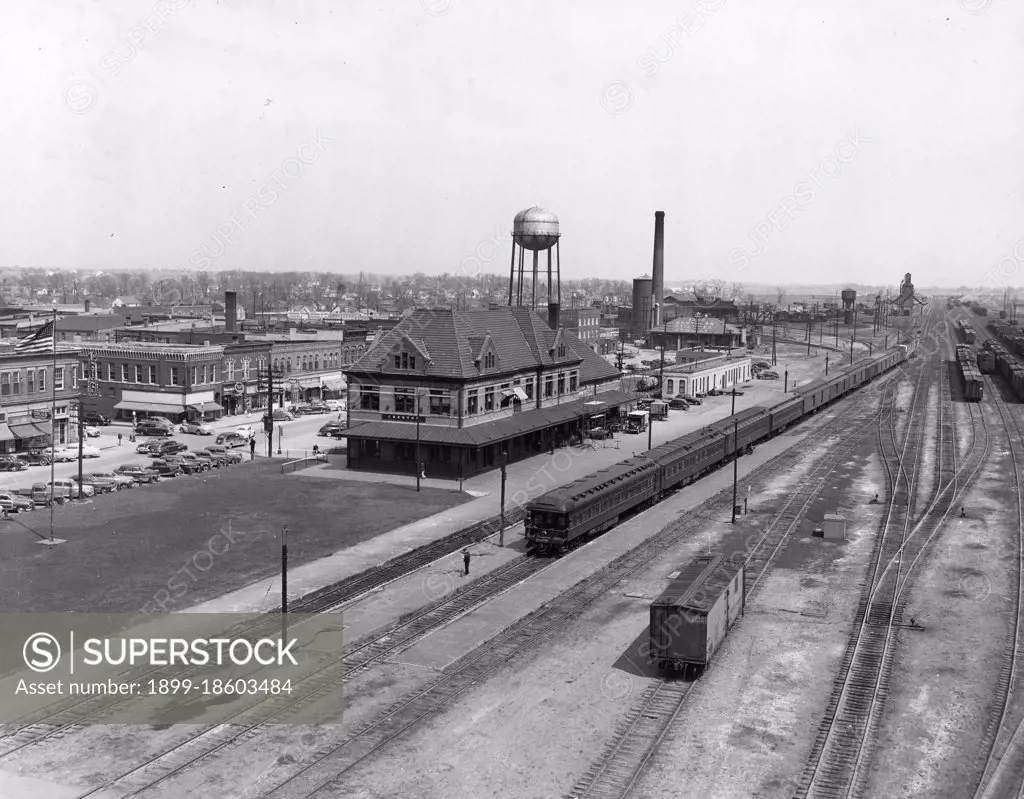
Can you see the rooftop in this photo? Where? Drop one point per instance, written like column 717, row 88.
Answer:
column 453, row 340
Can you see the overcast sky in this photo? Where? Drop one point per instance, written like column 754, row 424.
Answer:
column 786, row 141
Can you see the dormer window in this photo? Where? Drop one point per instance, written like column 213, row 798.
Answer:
column 561, row 350
column 405, row 361
column 489, row 360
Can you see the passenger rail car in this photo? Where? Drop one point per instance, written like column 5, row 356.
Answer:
column 567, row 516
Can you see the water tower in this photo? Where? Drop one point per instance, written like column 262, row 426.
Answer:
column 536, row 230
column 849, row 303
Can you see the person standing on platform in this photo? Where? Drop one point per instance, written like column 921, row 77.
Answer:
column 465, row 560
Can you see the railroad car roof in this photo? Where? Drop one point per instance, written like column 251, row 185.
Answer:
column 565, row 497
column 698, row 585
column 810, row 388
column 778, row 406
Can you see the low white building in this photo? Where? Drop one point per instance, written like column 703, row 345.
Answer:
column 721, row 373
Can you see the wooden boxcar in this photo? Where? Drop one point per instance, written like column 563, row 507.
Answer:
column 691, row 618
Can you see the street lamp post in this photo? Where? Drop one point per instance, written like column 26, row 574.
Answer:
column 501, row 529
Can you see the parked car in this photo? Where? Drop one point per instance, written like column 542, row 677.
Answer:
column 317, row 407
column 95, row 418
column 247, row 431
column 187, row 465
column 168, row 448
column 330, row 429
column 87, row 450
column 767, row 376
column 62, row 454
column 143, row 473
column 232, row 440
column 196, row 428
column 121, row 480
column 168, row 468
column 13, row 465
column 70, row 489
column 600, row 433
column 149, row 429
column 40, row 494
column 91, row 431
column 100, row 485
column 679, row 404
column 148, row 446
column 761, row 365
column 35, row 458
column 229, row 455
column 201, row 464
column 15, row 503
column 691, row 399
column 335, row 404
column 282, row 416
column 212, row 461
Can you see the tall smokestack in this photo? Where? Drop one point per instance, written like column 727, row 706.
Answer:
column 230, row 310
column 658, row 270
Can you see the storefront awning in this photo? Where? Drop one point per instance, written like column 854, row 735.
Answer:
column 29, row 430
column 334, row 383
column 6, row 434
column 520, row 393
column 207, row 406
column 148, row 407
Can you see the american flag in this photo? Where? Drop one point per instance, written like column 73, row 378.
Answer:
column 40, row 341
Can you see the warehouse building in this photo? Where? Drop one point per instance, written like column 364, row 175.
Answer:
column 720, row 372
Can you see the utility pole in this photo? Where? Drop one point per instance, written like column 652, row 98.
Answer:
column 81, row 436
column 785, row 384
column 501, row 529
column 418, row 442
column 774, row 325
column 735, row 458
column 268, row 420
column 826, row 364
column 284, row 585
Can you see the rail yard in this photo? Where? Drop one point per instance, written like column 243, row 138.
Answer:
column 848, row 626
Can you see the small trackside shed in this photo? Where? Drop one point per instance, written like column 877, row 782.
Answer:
column 691, row 618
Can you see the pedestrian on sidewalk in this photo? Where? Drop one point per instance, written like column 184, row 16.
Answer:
column 252, row 449
column 119, row 439
column 465, row 560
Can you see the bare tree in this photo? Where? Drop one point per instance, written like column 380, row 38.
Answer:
column 717, row 288
column 780, row 293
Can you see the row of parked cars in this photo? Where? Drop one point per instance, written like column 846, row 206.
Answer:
column 169, row 459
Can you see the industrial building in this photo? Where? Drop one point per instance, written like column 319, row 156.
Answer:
column 696, row 331
column 720, row 372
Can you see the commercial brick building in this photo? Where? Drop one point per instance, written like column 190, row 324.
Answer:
column 138, row 380
column 29, row 389
column 476, row 388
column 584, row 323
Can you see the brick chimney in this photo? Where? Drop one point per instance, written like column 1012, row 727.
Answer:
column 230, row 310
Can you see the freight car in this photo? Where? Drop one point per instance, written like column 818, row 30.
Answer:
column 691, row 618
column 966, row 331
column 986, row 362
column 973, row 385
column 567, row 516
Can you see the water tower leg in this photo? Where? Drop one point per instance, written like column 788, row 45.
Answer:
column 512, row 274
column 536, row 267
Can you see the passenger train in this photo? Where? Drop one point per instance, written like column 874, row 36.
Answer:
column 569, row 515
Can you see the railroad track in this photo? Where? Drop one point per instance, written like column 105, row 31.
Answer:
column 317, row 687
column 637, row 738
column 1002, row 743
column 324, row 767
column 844, row 746
column 67, row 717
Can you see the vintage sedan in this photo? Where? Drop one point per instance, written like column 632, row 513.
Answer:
column 12, row 465
column 15, row 503
column 35, row 458
column 142, row 472
column 91, row 431
column 195, row 428
column 121, row 480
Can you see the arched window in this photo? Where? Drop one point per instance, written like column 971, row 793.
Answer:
column 303, row 363
column 289, row 364
column 275, row 364
column 316, row 363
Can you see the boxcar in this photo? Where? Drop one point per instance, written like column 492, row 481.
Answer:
column 986, row 362
column 691, row 618
column 565, row 516
column 815, row 394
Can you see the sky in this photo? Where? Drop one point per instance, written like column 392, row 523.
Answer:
column 787, row 142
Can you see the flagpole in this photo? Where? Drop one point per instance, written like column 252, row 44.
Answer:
column 53, row 409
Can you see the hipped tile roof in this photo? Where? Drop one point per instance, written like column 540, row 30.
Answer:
column 452, row 340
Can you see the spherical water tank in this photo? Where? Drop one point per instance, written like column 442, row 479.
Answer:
column 535, row 229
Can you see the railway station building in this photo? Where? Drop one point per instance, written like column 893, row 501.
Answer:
column 476, row 389
column 698, row 376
